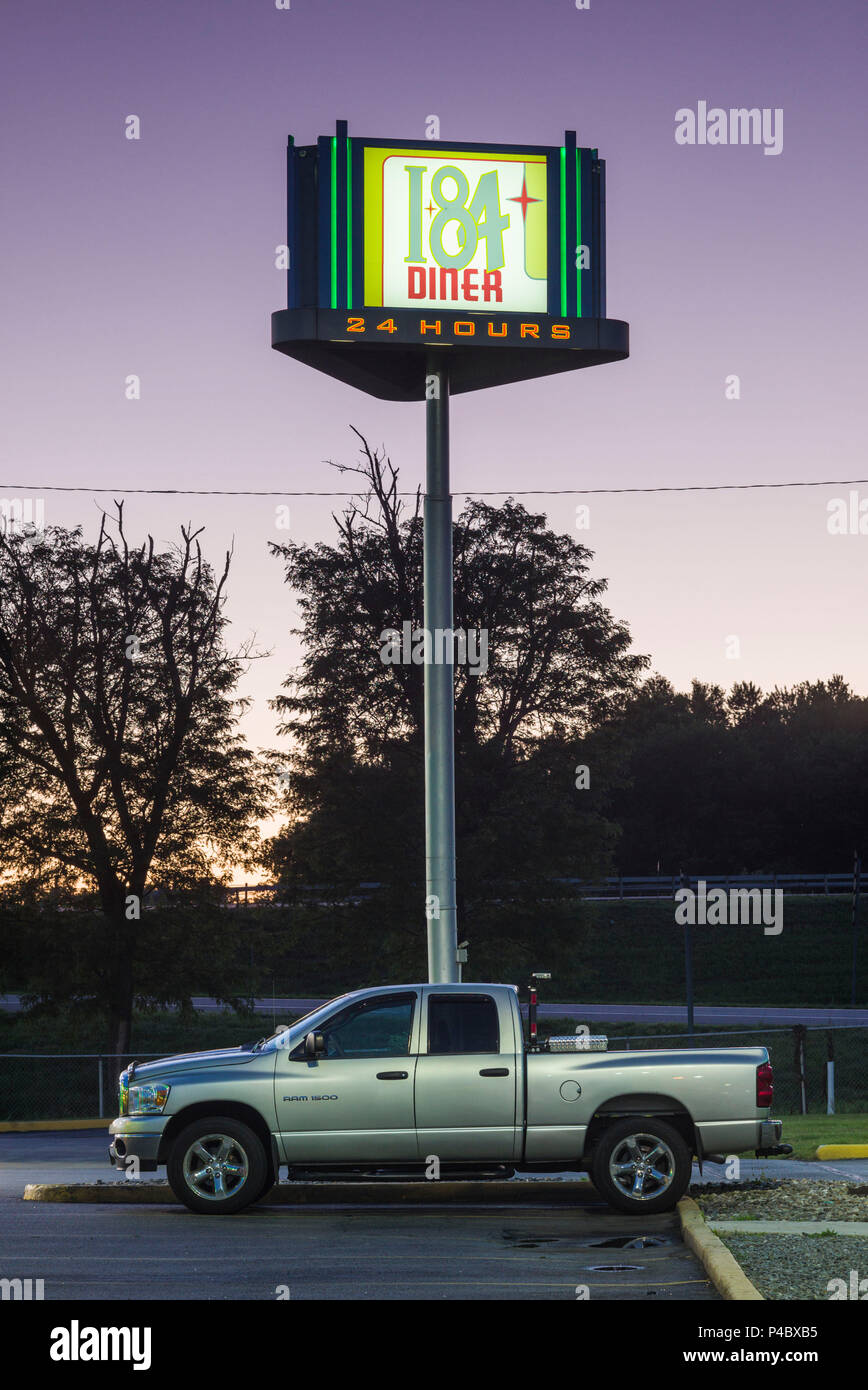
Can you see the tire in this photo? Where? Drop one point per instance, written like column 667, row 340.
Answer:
column 271, row 1181
column 241, row 1179
column 622, row 1173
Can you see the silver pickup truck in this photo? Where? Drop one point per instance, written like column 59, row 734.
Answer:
column 437, row 1080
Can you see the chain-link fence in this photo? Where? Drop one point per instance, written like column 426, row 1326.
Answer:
column 44, row 1086
column 60, row 1086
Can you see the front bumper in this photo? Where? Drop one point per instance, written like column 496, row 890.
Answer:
column 137, row 1137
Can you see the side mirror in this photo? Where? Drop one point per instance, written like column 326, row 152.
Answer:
column 314, row 1045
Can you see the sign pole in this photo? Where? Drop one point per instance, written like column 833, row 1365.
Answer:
column 857, row 880
column 441, row 909
column 487, row 292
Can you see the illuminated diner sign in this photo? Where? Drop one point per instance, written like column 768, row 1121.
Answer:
column 454, row 228
column 401, row 243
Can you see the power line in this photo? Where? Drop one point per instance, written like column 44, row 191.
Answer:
column 461, row 492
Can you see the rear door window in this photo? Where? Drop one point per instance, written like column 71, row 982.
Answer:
column 462, row 1023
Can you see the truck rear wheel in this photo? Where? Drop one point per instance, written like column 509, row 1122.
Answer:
column 641, row 1165
column 217, row 1165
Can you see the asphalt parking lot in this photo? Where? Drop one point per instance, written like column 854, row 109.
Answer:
column 382, row 1253
column 488, row 1251
column 484, row 1252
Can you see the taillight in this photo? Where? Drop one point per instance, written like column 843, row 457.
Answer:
column 764, row 1084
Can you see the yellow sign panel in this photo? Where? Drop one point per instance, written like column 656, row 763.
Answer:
column 455, row 229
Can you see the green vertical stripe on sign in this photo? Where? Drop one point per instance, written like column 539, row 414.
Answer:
column 349, row 227
column 334, row 246
column 579, row 231
column 563, row 233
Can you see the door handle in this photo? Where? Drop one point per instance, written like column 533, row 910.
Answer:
column 494, row 1071
column 392, row 1075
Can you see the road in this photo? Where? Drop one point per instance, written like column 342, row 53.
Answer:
column 713, row 1014
column 707, row 1014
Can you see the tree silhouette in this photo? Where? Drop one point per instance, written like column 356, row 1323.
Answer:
column 558, row 662
column 120, row 755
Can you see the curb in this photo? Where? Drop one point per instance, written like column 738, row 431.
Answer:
column 831, row 1151
column 790, row 1228
column 138, row 1192
column 724, row 1271
column 25, row 1126
column 131, row 1191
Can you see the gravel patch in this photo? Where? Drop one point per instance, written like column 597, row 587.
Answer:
column 800, row 1267
column 796, row 1199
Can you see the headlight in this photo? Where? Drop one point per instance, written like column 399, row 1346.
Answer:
column 123, row 1093
column 147, row 1100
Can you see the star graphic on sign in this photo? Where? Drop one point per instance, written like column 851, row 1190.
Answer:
column 430, row 208
column 524, row 200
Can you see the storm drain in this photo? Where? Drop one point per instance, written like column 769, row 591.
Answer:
column 533, row 1244
column 630, row 1242
column 611, row 1269
column 524, row 1241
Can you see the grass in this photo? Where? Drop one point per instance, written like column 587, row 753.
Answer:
column 634, row 951
column 158, row 1032
column 613, row 951
column 807, row 1132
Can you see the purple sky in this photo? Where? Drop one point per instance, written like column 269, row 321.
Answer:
column 156, row 257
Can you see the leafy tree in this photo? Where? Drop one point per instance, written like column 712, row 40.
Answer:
column 122, row 764
column 558, row 663
column 748, row 782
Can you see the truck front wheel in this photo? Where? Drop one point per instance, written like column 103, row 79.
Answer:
column 217, row 1165
column 641, row 1165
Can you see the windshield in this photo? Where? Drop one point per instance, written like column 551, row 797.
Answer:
column 309, row 1018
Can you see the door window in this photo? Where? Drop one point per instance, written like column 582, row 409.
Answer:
column 462, row 1023
column 374, row 1028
